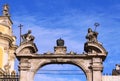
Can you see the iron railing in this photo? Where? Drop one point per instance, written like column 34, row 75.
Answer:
column 9, row 77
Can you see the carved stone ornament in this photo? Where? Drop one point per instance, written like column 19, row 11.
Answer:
column 92, row 35
column 24, row 64
column 92, row 46
column 6, row 10
column 27, row 37
column 60, row 42
column 60, row 48
column 24, row 49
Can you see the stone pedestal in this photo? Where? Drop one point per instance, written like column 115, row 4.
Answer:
column 60, row 50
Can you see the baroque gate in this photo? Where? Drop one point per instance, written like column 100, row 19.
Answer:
column 91, row 61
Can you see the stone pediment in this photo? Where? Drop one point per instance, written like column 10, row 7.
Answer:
column 94, row 47
column 25, row 49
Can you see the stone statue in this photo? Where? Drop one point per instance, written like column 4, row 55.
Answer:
column 116, row 71
column 6, row 10
column 60, row 42
column 91, row 36
column 27, row 37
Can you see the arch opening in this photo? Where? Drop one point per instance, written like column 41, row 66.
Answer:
column 60, row 72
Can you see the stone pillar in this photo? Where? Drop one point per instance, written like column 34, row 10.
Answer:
column 97, row 69
column 89, row 75
column 24, row 67
column 23, row 75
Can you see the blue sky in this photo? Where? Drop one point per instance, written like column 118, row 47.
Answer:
column 69, row 19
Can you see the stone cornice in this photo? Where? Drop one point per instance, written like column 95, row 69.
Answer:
column 7, row 37
column 4, row 25
column 8, row 18
column 97, row 67
column 51, row 56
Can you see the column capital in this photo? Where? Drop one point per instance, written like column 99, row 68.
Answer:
column 97, row 67
column 24, row 64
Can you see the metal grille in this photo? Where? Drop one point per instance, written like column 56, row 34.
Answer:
column 9, row 77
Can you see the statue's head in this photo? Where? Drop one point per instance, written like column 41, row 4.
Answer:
column 6, row 6
column 89, row 30
column 29, row 31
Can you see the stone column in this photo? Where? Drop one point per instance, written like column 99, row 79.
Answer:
column 23, row 75
column 24, row 67
column 97, row 69
column 89, row 75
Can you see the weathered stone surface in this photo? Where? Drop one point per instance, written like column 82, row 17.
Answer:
column 31, row 62
column 60, row 50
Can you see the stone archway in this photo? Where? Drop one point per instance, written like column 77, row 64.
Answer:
column 78, row 64
column 60, row 72
column 91, row 61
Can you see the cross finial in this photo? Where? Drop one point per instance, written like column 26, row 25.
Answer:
column 20, row 26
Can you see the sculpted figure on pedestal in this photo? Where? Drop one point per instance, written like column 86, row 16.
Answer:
column 27, row 37
column 6, row 10
column 91, row 36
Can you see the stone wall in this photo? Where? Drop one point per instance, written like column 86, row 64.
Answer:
column 110, row 78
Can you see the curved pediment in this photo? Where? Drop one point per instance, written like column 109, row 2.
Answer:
column 28, row 48
column 94, row 47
